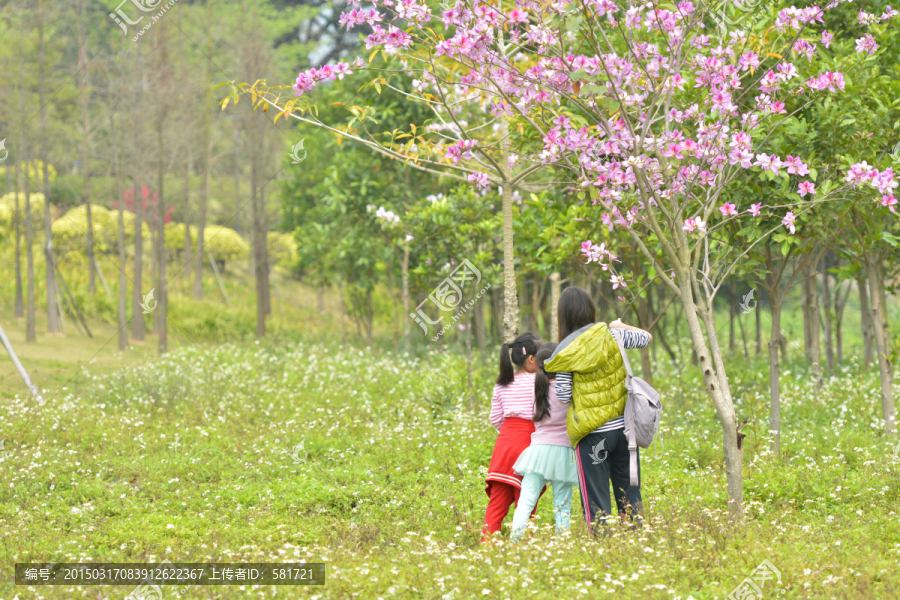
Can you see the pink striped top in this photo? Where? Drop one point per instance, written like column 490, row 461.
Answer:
column 513, row 400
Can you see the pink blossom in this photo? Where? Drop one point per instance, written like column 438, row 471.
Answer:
column 617, row 280
column 748, row 60
column 480, row 179
column 866, row 44
column 755, row 209
column 694, row 224
column 826, row 38
column 788, row 221
column 889, row 201
column 594, row 252
column 805, row 48
column 830, row 81
column 518, row 16
column 795, row 166
column 728, row 210
column 805, row 188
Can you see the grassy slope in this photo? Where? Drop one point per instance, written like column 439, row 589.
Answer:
column 55, row 362
column 188, row 458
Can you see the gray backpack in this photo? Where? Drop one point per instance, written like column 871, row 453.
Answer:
column 643, row 410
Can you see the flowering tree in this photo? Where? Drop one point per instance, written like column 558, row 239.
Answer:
column 645, row 110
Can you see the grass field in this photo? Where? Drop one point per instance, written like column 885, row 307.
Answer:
column 299, row 448
column 190, row 458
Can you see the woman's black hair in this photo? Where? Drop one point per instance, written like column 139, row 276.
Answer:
column 542, row 382
column 515, row 353
column 574, row 310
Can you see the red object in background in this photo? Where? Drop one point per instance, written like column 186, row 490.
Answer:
column 149, row 206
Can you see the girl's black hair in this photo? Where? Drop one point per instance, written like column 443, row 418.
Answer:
column 542, row 383
column 515, row 353
column 574, row 310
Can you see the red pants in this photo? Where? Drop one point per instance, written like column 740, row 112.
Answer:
column 503, row 495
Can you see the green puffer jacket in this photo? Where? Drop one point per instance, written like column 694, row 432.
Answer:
column 598, row 380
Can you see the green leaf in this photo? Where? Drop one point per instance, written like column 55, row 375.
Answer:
column 596, row 90
column 577, row 75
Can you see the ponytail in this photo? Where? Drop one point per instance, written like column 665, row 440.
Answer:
column 542, row 383
column 507, row 373
column 513, row 355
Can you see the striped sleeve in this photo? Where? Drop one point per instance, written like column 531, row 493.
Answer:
column 631, row 339
column 564, row 387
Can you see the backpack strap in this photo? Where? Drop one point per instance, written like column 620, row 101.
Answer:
column 629, row 432
column 624, row 359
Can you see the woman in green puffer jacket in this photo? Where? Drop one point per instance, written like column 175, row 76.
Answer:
column 591, row 378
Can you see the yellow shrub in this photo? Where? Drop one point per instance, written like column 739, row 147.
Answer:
column 224, row 244
column 282, row 248
column 8, row 212
column 70, row 230
column 175, row 237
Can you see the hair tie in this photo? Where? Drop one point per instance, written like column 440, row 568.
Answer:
column 523, row 349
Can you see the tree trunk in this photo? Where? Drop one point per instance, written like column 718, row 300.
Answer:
column 829, row 319
column 257, row 242
column 882, row 339
column 537, row 296
column 510, row 298
column 137, row 312
column 52, row 317
column 186, row 196
column 29, row 234
column 404, row 291
column 370, row 316
column 866, row 318
column 123, row 283
column 479, row 324
column 343, row 312
column 29, row 258
column 162, row 85
column 758, row 331
column 716, row 384
column 554, row 303
column 732, row 315
column 238, row 226
column 815, row 313
column 646, row 365
column 204, row 185
column 29, row 267
column 804, row 306
column 645, row 303
column 774, row 376
column 525, row 317
column 471, row 388
column 811, row 320
column 839, row 305
column 20, row 303
column 497, row 312
column 263, row 235
column 85, row 155
column 740, row 321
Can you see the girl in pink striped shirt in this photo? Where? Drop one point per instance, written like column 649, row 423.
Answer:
column 512, row 411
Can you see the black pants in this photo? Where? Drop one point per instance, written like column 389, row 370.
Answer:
column 601, row 458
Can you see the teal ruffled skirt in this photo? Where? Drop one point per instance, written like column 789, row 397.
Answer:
column 553, row 463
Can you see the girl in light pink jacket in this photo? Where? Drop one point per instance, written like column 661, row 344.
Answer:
column 549, row 458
